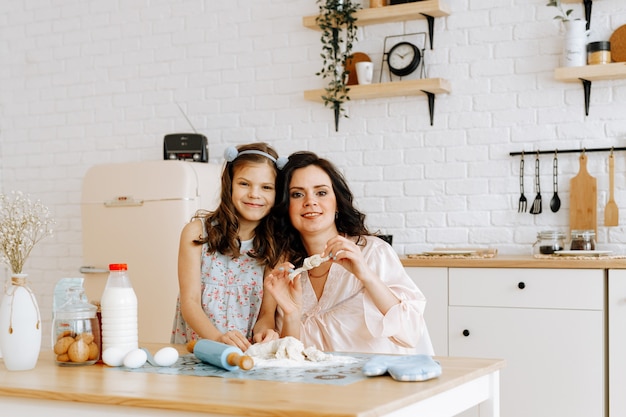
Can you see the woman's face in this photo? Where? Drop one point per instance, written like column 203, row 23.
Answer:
column 253, row 191
column 312, row 201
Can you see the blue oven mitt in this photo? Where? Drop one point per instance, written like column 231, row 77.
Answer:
column 403, row 368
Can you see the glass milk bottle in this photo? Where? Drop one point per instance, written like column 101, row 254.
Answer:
column 118, row 307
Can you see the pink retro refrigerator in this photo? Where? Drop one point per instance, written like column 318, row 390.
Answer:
column 133, row 213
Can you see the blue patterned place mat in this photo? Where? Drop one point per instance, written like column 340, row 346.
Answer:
column 333, row 372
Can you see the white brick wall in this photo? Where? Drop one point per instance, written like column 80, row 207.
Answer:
column 89, row 82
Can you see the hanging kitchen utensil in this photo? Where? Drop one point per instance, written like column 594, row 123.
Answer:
column 583, row 199
column 536, row 206
column 611, row 212
column 521, row 207
column 555, row 203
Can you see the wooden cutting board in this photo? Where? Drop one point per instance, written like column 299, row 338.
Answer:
column 583, row 208
column 618, row 44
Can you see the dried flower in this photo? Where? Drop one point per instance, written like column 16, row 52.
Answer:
column 22, row 224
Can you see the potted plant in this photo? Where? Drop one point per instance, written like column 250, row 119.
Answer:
column 564, row 15
column 337, row 21
column 575, row 49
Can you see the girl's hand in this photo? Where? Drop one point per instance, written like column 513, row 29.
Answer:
column 235, row 338
column 266, row 335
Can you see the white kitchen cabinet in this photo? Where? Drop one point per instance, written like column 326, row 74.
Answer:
column 617, row 342
column 433, row 282
column 548, row 324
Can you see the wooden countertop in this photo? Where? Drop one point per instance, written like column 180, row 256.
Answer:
column 99, row 384
column 515, row 261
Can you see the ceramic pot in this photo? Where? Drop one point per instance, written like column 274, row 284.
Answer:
column 575, row 43
column 20, row 325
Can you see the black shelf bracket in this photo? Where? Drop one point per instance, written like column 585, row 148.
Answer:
column 431, row 105
column 587, row 89
column 431, row 28
column 588, row 4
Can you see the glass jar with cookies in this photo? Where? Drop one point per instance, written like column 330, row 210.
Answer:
column 75, row 330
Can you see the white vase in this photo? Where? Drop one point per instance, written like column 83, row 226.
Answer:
column 575, row 43
column 20, row 325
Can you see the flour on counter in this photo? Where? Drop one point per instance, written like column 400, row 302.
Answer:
column 290, row 352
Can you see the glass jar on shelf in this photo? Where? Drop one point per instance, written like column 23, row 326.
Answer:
column 548, row 242
column 583, row 240
column 76, row 331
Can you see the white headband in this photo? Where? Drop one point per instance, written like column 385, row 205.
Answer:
column 231, row 153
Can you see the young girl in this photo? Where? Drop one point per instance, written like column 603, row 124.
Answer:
column 223, row 254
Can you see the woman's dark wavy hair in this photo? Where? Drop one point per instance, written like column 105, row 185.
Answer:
column 222, row 225
column 348, row 220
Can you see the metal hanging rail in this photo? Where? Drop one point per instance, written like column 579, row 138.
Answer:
column 611, row 149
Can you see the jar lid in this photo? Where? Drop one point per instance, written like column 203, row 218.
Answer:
column 550, row 234
column 583, row 233
column 599, row 46
column 76, row 307
column 118, row 267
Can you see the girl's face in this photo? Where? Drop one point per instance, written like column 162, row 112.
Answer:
column 253, row 191
column 312, row 201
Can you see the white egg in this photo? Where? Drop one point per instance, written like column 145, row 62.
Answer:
column 166, row 356
column 113, row 356
column 135, row 358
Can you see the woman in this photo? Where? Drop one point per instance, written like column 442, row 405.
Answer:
column 223, row 255
column 361, row 300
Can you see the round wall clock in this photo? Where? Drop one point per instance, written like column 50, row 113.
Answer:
column 403, row 59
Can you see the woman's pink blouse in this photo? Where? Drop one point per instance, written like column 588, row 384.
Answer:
column 346, row 320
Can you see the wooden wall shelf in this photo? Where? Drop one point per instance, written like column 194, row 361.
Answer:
column 428, row 86
column 392, row 89
column 396, row 13
column 588, row 73
column 614, row 71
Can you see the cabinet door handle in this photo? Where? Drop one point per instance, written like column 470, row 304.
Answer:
column 466, row 332
column 521, row 285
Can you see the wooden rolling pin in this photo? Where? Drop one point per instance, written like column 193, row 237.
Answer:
column 220, row 354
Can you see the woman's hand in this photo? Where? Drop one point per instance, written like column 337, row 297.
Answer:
column 348, row 254
column 235, row 338
column 286, row 292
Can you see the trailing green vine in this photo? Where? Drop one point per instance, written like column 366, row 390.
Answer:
column 339, row 33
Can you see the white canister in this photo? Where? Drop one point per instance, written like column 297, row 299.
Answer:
column 575, row 43
column 364, row 72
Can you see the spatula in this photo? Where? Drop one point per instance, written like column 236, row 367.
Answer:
column 536, row 208
column 611, row 212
